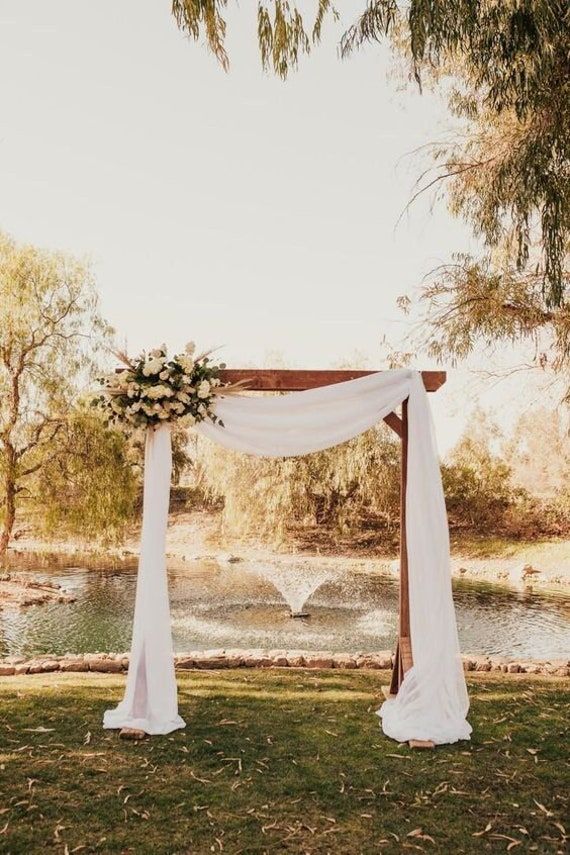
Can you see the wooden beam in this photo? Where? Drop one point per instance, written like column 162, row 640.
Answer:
column 395, row 422
column 292, row 380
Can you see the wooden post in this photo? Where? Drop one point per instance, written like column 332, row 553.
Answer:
column 403, row 659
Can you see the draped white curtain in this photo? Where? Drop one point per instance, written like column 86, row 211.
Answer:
column 432, row 700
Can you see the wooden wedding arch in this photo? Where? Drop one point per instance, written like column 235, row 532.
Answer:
column 288, row 380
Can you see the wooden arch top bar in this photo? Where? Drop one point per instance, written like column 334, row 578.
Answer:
column 291, row 380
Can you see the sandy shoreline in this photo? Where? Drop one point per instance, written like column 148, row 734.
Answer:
column 191, row 537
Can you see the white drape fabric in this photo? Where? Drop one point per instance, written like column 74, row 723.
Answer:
column 150, row 702
column 432, row 700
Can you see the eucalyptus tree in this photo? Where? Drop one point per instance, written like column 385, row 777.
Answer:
column 509, row 63
column 49, row 323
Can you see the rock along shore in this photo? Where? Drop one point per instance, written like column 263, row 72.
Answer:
column 117, row 663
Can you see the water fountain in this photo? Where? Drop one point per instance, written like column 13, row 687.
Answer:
column 295, row 583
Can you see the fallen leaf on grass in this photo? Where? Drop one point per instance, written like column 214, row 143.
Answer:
column 487, row 828
column 59, row 827
column 40, row 729
column 419, row 833
column 513, row 841
column 202, row 780
column 542, row 808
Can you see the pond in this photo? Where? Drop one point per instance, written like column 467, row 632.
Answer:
column 249, row 605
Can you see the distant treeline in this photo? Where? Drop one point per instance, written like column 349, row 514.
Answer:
column 518, row 488
column 90, row 486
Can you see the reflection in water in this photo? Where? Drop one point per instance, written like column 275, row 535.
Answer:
column 242, row 606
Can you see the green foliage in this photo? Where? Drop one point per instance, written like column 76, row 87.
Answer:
column 477, row 485
column 472, row 303
column 49, row 330
column 509, row 67
column 282, row 33
column 353, row 491
column 347, row 489
column 484, row 491
column 88, row 485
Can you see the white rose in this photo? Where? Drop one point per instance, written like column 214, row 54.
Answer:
column 164, row 375
column 163, row 415
column 182, row 396
column 159, row 391
column 203, row 389
column 153, row 366
column 187, row 363
column 188, row 420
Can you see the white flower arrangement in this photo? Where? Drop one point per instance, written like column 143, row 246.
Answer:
column 153, row 389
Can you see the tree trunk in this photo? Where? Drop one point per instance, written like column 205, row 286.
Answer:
column 10, row 501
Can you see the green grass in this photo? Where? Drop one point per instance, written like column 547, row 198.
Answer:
column 279, row 762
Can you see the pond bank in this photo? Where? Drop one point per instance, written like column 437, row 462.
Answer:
column 17, row 592
column 259, row 658
column 197, row 536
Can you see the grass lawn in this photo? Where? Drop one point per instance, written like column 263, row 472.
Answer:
column 280, row 761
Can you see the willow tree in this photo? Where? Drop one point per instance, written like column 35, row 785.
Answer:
column 510, row 170
column 48, row 321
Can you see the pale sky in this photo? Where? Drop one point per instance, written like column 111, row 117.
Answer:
column 233, row 209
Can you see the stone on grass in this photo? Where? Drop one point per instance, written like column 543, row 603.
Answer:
column 7, row 670
column 344, row 660
column 185, row 663
column 319, row 660
column 385, row 659
column 131, row 733
column 73, row 664
column 108, row 666
column 368, row 661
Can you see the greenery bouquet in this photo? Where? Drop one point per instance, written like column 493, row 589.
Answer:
column 154, row 389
